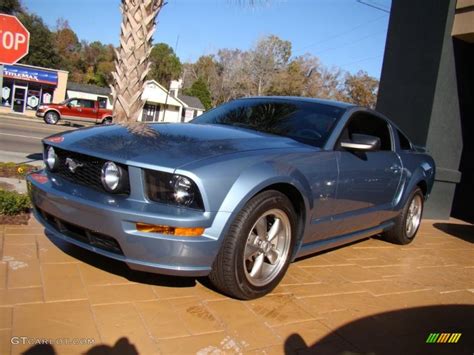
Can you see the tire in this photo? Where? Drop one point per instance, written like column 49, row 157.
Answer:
column 51, row 117
column 107, row 121
column 267, row 258
column 408, row 221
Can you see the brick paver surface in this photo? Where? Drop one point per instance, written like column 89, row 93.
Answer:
column 369, row 297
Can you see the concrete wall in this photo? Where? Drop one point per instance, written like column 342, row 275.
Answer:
column 418, row 89
column 60, row 91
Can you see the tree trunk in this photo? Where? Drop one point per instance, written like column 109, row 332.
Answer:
column 132, row 62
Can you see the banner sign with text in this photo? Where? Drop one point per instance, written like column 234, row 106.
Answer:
column 30, row 74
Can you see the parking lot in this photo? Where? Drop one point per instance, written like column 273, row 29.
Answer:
column 369, row 297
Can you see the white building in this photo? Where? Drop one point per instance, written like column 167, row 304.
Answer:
column 160, row 106
column 193, row 107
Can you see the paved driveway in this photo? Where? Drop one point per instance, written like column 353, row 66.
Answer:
column 370, row 297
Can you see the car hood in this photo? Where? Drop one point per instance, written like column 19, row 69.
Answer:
column 167, row 145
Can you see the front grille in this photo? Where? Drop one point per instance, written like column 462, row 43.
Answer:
column 81, row 234
column 88, row 171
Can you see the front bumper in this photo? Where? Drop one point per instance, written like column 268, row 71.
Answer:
column 40, row 114
column 81, row 215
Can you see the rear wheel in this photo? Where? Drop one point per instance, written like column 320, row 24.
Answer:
column 408, row 222
column 107, row 121
column 256, row 252
column 51, row 117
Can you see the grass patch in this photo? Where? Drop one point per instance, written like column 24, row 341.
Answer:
column 13, row 170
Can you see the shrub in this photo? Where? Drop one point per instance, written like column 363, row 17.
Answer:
column 13, row 203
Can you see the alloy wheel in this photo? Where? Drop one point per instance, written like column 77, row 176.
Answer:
column 267, row 247
column 413, row 216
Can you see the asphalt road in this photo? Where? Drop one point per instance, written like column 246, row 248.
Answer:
column 20, row 138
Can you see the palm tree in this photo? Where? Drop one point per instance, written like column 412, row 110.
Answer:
column 132, row 57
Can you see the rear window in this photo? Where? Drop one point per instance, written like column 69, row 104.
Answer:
column 404, row 141
column 306, row 122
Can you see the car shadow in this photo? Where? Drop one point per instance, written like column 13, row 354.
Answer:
column 461, row 231
column 403, row 331
column 35, row 156
column 120, row 268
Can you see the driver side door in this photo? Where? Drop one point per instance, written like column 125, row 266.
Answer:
column 72, row 110
column 368, row 180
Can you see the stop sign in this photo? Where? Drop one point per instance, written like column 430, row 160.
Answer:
column 14, row 39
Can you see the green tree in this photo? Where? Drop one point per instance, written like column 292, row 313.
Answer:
column 165, row 65
column 200, row 90
column 42, row 50
column 10, row 7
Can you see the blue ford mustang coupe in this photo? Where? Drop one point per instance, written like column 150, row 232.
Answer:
column 237, row 193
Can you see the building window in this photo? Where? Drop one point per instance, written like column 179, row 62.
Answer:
column 7, row 92
column 33, row 96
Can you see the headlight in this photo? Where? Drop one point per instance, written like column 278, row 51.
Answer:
column 50, row 158
column 172, row 189
column 113, row 177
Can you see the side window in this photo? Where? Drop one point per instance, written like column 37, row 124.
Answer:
column 404, row 141
column 102, row 102
column 86, row 103
column 74, row 103
column 363, row 123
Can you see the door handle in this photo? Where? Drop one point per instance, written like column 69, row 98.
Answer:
column 395, row 168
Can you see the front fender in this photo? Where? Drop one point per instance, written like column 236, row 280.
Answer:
column 259, row 177
column 250, row 183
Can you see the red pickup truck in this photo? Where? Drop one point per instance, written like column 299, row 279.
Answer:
column 75, row 110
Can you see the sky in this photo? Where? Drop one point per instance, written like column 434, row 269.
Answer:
column 342, row 33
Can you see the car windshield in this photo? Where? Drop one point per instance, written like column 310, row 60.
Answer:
column 306, row 122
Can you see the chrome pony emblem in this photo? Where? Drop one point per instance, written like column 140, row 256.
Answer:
column 72, row 165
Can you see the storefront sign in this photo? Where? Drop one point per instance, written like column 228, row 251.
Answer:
column 30, row 74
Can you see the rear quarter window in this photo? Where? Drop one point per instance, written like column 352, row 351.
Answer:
column 404, row 141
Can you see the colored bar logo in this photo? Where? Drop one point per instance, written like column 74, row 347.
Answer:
column 438, row 338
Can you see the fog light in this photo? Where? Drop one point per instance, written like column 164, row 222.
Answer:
column 51, row 159
column 111, row 175
column 177, row 231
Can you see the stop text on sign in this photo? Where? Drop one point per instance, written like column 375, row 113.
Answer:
column 10, row 40
column 14, row 39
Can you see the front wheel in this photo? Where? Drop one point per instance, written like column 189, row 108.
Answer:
column 408, row 222
column 256, row 252
column 107, row 121
column 51, row 117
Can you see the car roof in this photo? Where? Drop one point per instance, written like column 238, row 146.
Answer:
column 339, row 104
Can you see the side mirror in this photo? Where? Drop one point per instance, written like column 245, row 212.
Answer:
column 361, row 142
column 68, row 104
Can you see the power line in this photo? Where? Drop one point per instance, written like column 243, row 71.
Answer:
column 361, row 60
column 350, row 43
column 375, row 6
column 340, row 34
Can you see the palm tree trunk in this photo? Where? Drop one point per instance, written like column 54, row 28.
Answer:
column 132, row 57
